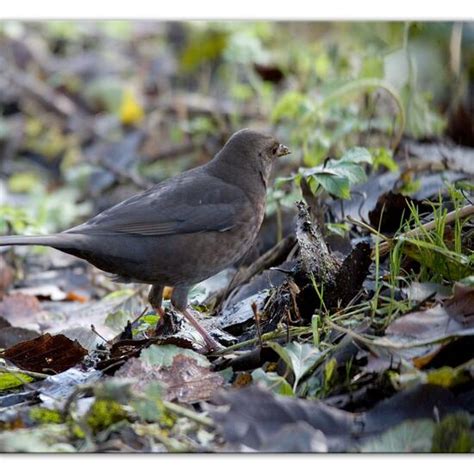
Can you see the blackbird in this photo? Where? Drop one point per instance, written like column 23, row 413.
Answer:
column 182, row 230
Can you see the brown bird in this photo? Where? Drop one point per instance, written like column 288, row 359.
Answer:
column 182, row 230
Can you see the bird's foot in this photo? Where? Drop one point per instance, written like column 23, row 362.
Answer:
column 165, row 325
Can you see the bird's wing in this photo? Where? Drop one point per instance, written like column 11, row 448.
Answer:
column 191, row 202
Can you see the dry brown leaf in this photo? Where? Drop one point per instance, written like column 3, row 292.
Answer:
column 185, row 380
column 46, row 354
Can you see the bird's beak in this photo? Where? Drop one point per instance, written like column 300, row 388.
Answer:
column 282, row 150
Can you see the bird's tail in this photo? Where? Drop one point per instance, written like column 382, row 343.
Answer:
column 48, row 240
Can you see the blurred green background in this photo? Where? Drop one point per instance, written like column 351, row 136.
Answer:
column 92, row 111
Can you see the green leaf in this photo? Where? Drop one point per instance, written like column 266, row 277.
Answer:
column 384, row 157
column 299, row 357
column 337, row 176
column 150, row 406
column 272, row 381
column 329, row 372
column 357, row 155
column 338, row 186
column 10, row 380
column 352, row 171
column 164, row 355
column 408, row 437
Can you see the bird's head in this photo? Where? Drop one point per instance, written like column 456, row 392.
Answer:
column 256, row 145
column 248, row 152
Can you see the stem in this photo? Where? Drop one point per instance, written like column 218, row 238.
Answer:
column 269, row 336
column 35, row 375
column 179, row 410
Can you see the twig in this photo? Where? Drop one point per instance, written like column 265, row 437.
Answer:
column 269, row 336
column 36, row 375
column 366, row 226
column 94, row 330
column 179, row 410
column 387, row 344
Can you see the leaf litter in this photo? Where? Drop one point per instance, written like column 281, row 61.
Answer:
column 348, row 327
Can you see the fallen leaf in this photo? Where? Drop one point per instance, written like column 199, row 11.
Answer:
column 46, row 354
column 420, row 335
column 9, row 336
column 254, row 415
column 20, row 309
column 185, row 375
column 164, row 355
column 188, row 382
column 63, row 315
column 412, row 436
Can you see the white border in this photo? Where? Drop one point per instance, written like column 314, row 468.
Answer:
column 239, row 9
column 235, row 464
column 295, row 10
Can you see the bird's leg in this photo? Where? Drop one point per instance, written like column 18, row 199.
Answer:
column 179, row 300
column 155, row 297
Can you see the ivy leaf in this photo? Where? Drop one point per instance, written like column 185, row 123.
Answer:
column 333, row 183
column 337, row 176
column 272, row 381
column 299, row 357
column 357, row 155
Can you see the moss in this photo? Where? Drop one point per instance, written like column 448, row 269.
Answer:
column 104, row 413
column 45, row 415
column 453, row 435
column 13, row 380
column 76, row 431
